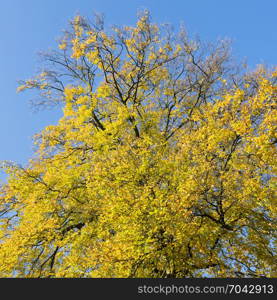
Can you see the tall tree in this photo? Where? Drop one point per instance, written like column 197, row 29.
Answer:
column 163, row 164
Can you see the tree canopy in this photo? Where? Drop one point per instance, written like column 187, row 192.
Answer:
column 162, row 165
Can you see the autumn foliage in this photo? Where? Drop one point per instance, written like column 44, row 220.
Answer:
column 162, row 165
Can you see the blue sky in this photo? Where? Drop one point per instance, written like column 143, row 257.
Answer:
column 29, row 26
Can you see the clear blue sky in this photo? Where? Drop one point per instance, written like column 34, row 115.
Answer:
column 28, row 26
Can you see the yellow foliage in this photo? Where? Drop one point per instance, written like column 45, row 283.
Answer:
column 147, row 174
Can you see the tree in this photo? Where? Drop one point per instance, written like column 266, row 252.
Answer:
column 162, row 165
